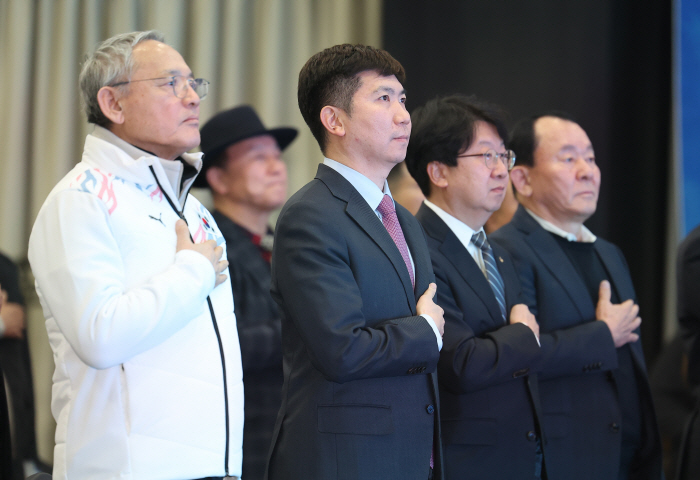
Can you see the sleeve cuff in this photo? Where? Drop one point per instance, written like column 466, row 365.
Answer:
column 431, row 322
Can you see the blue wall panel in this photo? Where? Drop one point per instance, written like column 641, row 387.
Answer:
column 690, row 101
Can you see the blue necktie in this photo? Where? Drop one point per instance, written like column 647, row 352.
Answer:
column 492, row 274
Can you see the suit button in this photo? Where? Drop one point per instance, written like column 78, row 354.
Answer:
column 614, row 427
column 531, row 436
column 411, row 371
column 430, row 409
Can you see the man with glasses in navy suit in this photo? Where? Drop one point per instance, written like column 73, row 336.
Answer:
column 487, row 391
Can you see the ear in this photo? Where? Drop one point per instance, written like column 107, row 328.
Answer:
column 217, row 183
column 437, row 174
column 108, row 99
column 520, row 177
column 332, row 119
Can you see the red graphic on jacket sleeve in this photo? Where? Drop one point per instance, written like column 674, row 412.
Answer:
column 107, row 193
column 92, row 180
column 157, row 193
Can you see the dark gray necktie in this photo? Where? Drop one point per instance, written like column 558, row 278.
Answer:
column 492, row 274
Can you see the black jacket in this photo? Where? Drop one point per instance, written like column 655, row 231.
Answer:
column 258, row 322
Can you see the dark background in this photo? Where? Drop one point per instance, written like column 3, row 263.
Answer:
column 608, row 63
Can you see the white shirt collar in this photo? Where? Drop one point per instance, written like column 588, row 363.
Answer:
column 463, row 231
column 586, row 235
column 366, row 187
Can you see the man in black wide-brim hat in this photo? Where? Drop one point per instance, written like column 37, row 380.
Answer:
column 244, row 170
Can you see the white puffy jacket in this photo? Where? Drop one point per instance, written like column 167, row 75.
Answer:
column 138, row 390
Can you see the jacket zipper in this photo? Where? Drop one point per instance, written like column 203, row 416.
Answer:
column 213, row 317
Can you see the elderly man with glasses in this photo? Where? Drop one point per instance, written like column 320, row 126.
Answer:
column 138, row 304
column 490, row 426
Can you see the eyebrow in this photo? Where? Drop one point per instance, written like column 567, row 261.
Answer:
column 263, row 147
column 171, row 73
column 488, row 142
column 566, row 148
column 389, row 90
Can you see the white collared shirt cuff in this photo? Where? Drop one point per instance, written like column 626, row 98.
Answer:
column 431, row 322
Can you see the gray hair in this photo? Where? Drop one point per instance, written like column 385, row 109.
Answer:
column 110, row 62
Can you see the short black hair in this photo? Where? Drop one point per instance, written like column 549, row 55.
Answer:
column 523, row 140
column 330, row 77
column 443, row 128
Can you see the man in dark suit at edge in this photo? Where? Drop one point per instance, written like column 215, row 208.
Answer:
column 688, row 308
column 597, row 411
column 351, row 273
column 488, row 401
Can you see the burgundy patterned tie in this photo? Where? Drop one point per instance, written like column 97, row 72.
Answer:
column 391, row 223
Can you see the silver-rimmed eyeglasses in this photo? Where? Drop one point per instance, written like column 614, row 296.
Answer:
column 179, row 84
column 492, row 157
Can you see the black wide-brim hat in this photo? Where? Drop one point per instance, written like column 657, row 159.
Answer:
column 232, row 126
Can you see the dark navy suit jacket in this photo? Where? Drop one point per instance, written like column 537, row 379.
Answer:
column 578, row 392
column 488, row 399
column 360, row 393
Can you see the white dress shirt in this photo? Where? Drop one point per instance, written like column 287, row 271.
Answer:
column 463, row 232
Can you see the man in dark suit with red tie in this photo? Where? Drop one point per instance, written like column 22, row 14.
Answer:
column 351, row 273
column 488, row 399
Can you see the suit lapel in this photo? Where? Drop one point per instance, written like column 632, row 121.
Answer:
column 455, row 252
column 556, row 261
column 617, row 271
column 622, row 283
column 358, row 209
column 512, row 291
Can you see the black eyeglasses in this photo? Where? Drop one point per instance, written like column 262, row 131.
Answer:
column 179, row 84
column 492, row 157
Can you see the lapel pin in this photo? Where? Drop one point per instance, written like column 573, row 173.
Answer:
column 501, row 259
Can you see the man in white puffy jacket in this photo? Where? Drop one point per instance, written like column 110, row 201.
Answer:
column 138, row 305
